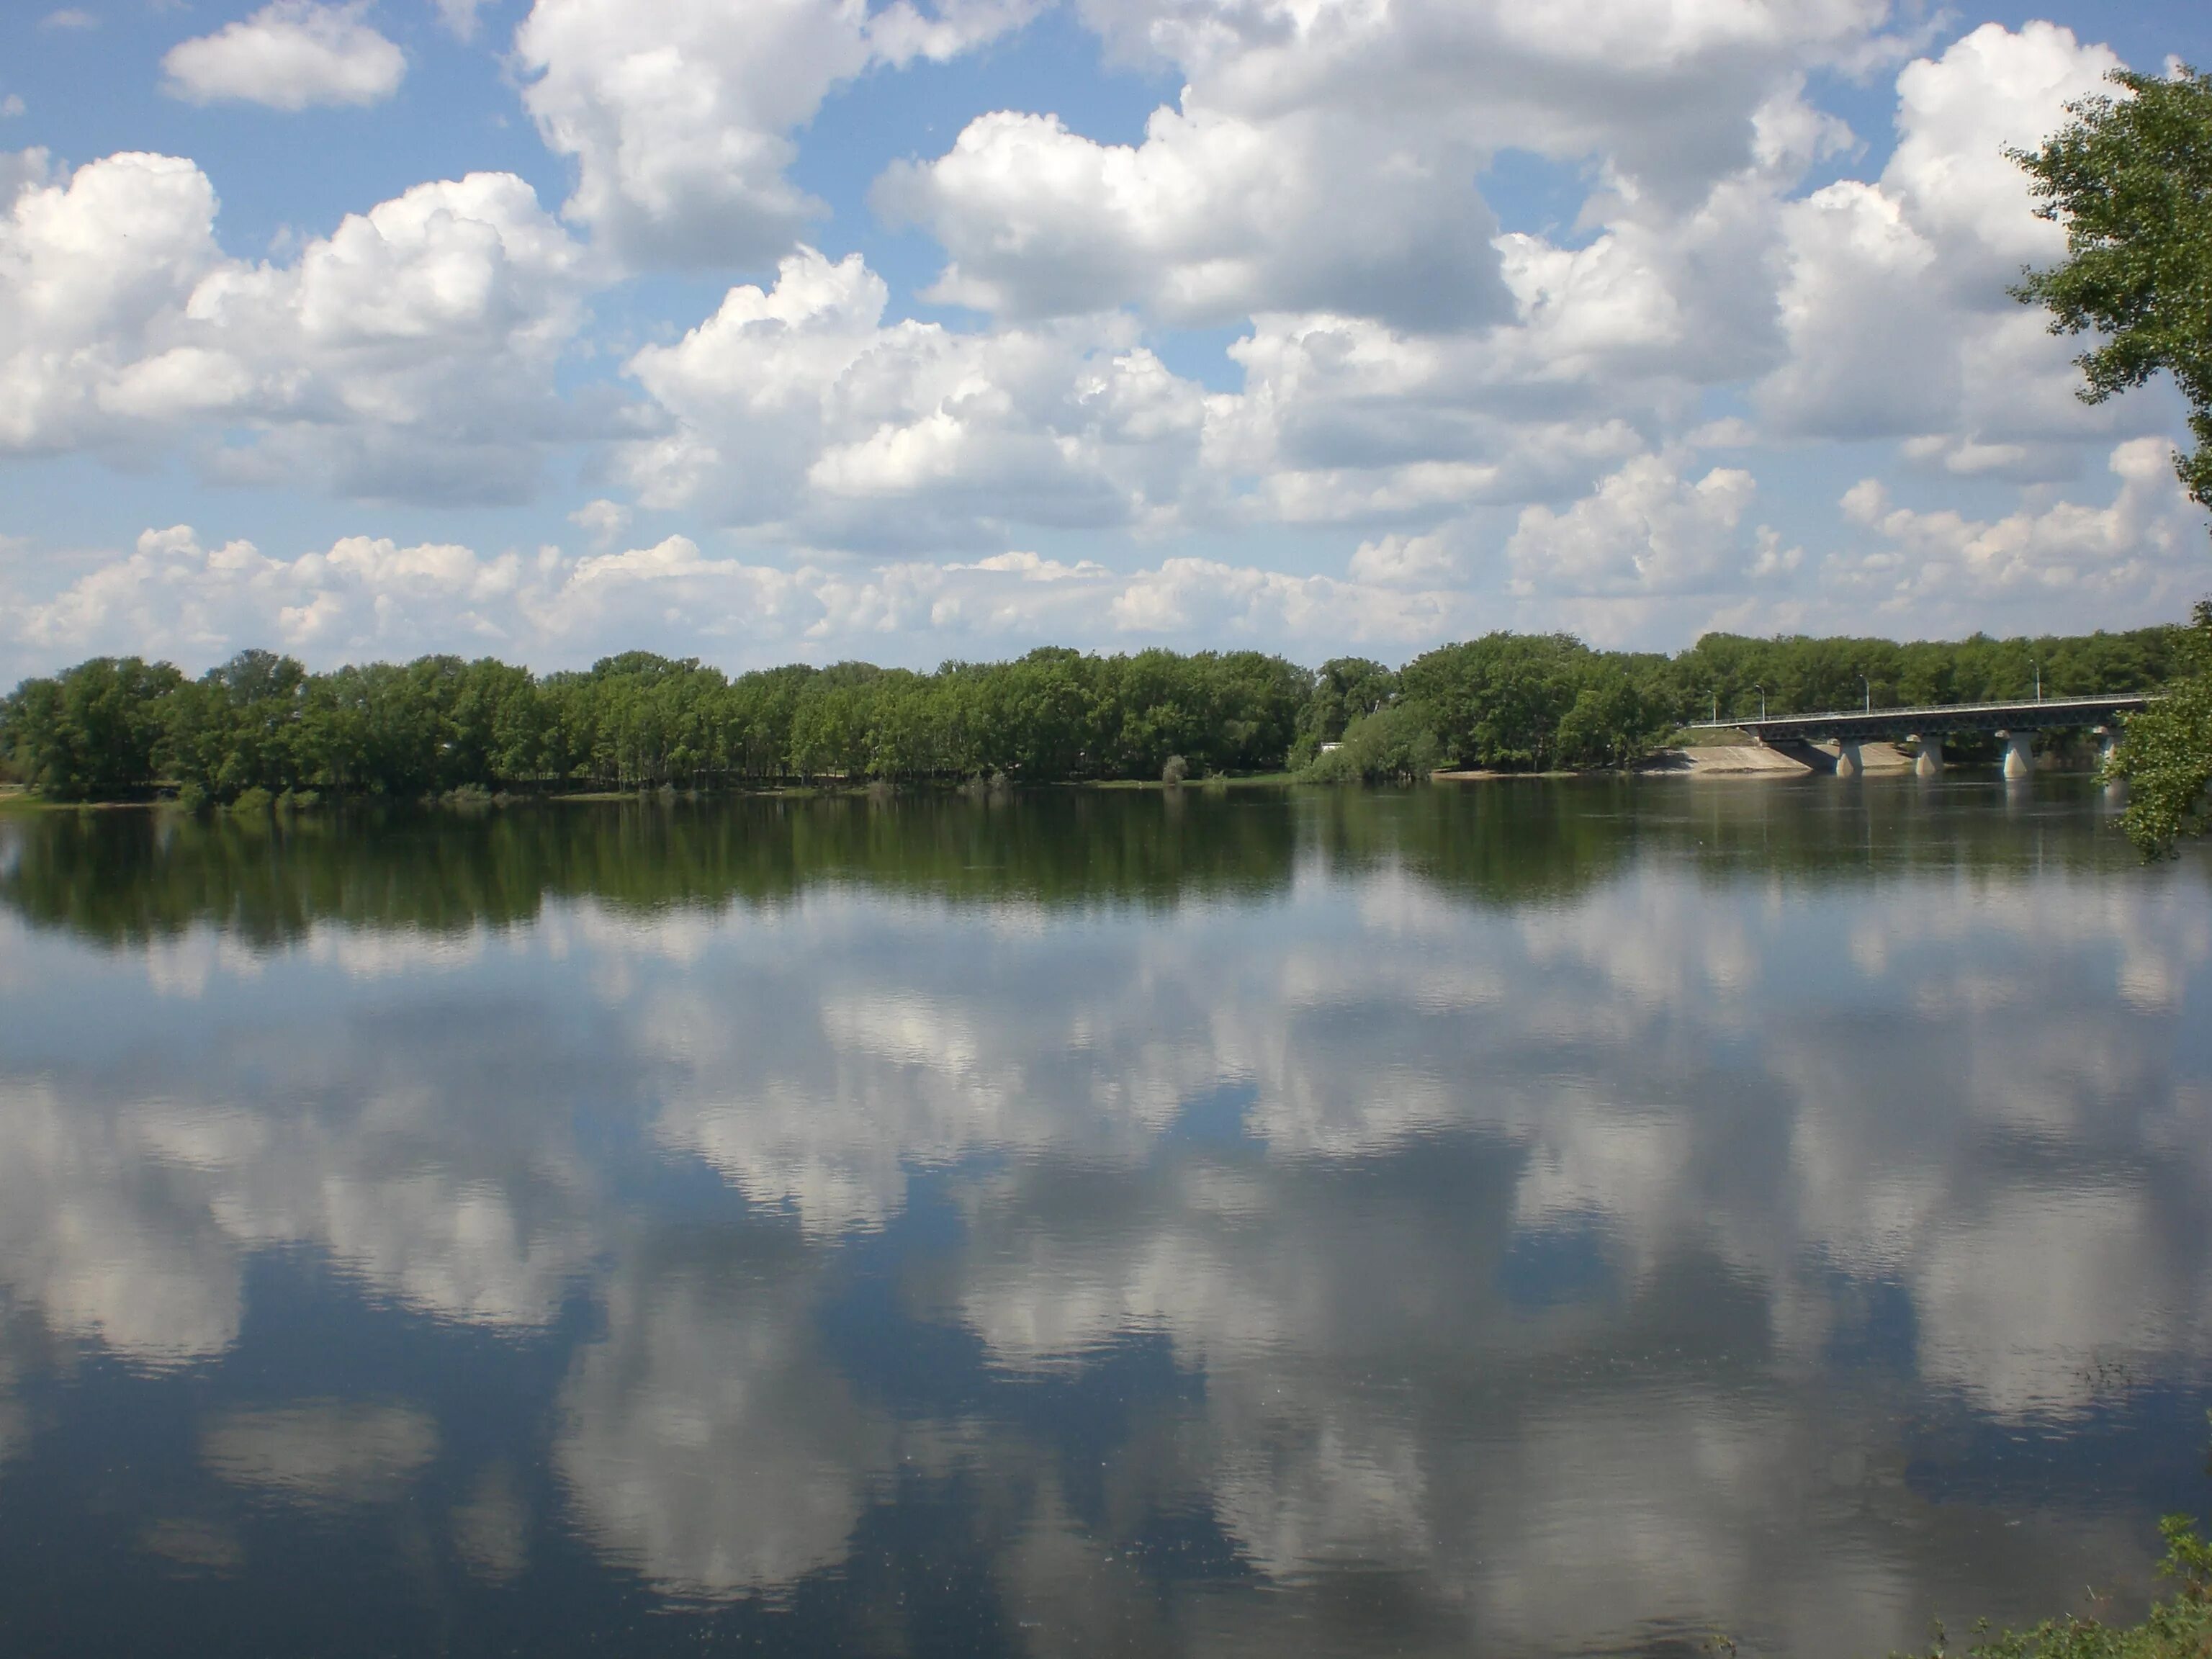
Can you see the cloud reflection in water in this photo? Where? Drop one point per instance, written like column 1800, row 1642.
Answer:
column 1576, row 1249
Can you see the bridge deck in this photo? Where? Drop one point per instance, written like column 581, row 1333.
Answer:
column 2038, row 714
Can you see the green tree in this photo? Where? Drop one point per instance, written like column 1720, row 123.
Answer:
column 93, row 731
column 830, row 728
column 1344, row 689
column 1390, row 745
column 2166, row 752
column 238, row 726
column 1613, row 721
column 2130, row 180
column 1498, row 701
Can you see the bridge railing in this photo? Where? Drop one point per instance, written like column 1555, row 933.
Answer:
column 2114, row 703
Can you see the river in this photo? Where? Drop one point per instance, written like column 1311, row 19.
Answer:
column 1536, row 1217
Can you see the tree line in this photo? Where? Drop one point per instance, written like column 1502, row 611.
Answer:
column 114, row 727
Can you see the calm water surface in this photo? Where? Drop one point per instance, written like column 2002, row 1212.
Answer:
column 1524, row 1219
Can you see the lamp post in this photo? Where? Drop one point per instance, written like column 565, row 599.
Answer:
column 1868, row 683
column 1762, row 698
column 2038, row 667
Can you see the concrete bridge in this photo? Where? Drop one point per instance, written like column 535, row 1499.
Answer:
column 2017, row 723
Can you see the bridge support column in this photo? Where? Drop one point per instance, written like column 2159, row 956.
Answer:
column 1928, row 764
column 1848, row 761
column 2108, row 739
column 2019, row 754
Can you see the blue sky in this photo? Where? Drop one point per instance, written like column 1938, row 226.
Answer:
column 808, row 329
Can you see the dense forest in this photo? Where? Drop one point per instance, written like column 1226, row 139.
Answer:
column 120, row 727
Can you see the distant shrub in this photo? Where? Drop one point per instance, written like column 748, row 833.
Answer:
column 254, row 802
column 191, row 798
column 1175, row 771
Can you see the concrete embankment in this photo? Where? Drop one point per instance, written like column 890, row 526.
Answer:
column 1718, row 761
column 1755, row 759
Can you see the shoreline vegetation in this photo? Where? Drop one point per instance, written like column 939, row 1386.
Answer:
column 262, row 733
column 2177, row 1627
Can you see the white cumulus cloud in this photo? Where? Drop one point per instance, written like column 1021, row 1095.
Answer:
column 679, row 114
column 1212, row 217
column 1893, row 300
column 364, row 598
column 1645, row 529
column 1325, row 157
column 2140, row 554
column 289, row 55
column 408, row 354
column 89, row 271
column 1440, row 418
column 798, row 406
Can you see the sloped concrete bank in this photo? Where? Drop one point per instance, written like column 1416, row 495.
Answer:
column 1755, row 759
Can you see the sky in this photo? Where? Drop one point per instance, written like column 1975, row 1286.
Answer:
column 764, row 330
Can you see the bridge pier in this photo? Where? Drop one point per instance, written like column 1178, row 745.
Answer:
column 2019, row 754
column 1849, row 763
column 1928, row 764
column 2116, row 789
